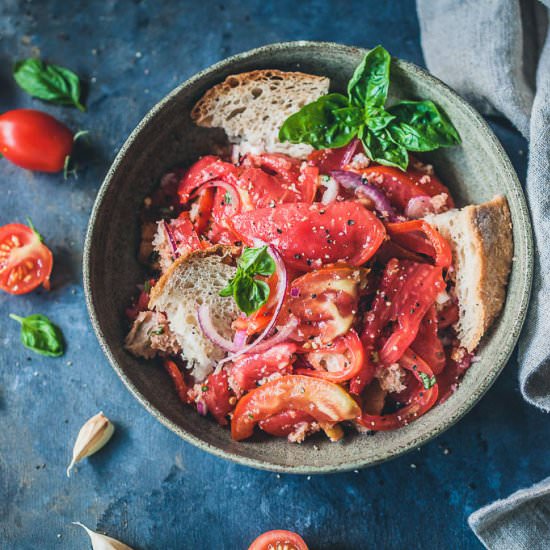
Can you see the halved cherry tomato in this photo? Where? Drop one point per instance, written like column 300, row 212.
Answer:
column 279, row 540
column 249, row 369
column 407, row 291
column 217, row 396
column 338, row 362
column 34, row 140
column 325, row 401
column 284, row 423
column 309, row 235
column 179, row 381
column 421, row 402
column 400, row 187
column 427, row 343
column 411, row 235
column 325, row 302
column 25, row 262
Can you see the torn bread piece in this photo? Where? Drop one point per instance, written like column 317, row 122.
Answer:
column 191, row 281
column 482, row 244
column 251, row 107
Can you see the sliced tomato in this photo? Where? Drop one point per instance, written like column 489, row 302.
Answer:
column 427, row 181
column 453, row 373
column 25, row 262
column 206, row 169
column 421, row 401
column 407, row 290
column 203, row 211
column 279, row 540
column 141, row 303
column 284, row 423
column 249, row 369
column 309, row 235
column 365, row 375
column 323, row 400
column 275, row 178
column 182, row 235
column 400, row 187
column 427, row 343
column 324, row 301
column 179, row 381
column 422, row 237
column 217, row 396
column 327, row 160
column 338, row 362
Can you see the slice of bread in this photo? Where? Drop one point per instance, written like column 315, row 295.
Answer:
column 481, row 240
column 251, row 107
column 193, row 280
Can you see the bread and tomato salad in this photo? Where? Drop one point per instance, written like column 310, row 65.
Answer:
column 317, row 274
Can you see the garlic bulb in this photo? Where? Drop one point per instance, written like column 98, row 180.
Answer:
column 102, row 542
column 91, row 437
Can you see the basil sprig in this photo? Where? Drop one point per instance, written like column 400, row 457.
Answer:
column 250, row 294
column 386, row 133
column 48, row 82
column 40, row 335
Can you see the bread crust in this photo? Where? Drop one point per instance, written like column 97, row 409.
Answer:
column 202, row 109
column 221, row 250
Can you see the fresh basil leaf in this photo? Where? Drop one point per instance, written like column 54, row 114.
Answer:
column 228, row 290
column 427, row 381
column 257, row 261
column 40, row 335
column 250, row 294
column 329, row 122
column 377, row 118
column 421, row 126
column 48, row 82
column 382, row 149
column 371, row 80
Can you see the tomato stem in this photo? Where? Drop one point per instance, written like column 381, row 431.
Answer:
column 16, row 318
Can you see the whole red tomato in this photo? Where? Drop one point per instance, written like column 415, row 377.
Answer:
column 34, row 140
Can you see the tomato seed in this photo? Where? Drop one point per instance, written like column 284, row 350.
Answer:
column 15, row 240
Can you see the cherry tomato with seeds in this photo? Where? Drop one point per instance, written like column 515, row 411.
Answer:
column 279, row 540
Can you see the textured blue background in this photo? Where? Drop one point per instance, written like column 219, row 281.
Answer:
column 147, row 487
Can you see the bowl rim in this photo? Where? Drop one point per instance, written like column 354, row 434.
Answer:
column 524, row 281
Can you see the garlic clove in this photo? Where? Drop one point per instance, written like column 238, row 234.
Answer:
column 91, row 437
column 102, row 542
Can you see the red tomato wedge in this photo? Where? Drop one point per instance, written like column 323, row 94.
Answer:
column 339, row 362
column 279, row 540
column 309, row 235
column 323, row 400
column 217, row 395
column 421, row 401
column 422, row 237
column 249, row 369
column 25, row 262
column 407, row 290
column 400, row 187
column 182, row 235
column 427, row 343
column 324, row 301
column 34, row 140
column 177, row 378
column 283, row 424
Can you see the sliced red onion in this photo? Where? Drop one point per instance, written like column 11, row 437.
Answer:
column 280, row 269
column 202, row 408
column 331, row 190
column 207, row 326
column 351, row 180
column 418, row 207
column 240, row 338
column 171, row 239
column 294, row 292
column 235, row 197
column 351, row 149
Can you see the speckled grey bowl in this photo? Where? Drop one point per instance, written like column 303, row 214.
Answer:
column 166, row 137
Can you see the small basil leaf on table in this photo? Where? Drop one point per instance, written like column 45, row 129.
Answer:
column 421, row 126
column 48, row 82
column 381, row 148
column 371, row 80
column 40, row 335
column 326, row 123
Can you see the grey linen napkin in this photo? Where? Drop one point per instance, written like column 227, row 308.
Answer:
column 496, row 54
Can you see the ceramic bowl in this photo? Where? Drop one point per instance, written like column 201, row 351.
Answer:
column 166, row 137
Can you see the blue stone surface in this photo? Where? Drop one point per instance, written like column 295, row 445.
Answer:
column 147, row 487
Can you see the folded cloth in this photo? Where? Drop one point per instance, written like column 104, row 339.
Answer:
column 496, row 54
column 520, row 521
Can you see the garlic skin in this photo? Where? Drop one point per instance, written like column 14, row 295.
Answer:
column 102, row 542
column 91, row 437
